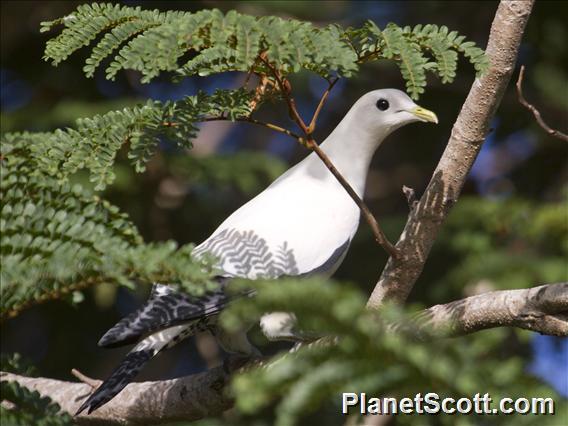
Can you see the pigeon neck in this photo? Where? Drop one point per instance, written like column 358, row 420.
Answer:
column 350, row 148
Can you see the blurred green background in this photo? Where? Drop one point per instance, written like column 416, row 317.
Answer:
column 509, row 229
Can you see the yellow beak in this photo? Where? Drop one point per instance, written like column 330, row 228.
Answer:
column 424, row 114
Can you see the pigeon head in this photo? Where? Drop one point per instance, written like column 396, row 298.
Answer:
column 370, row 120
column 383, row 111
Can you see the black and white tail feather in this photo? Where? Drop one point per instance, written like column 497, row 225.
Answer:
column 168, row 317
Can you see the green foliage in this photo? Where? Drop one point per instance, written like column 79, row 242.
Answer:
column 152, row 42
column 30, row 408
column 14, row 363
column 58, row 239
column 95, row 142
column 364, row 356
column 409, row 47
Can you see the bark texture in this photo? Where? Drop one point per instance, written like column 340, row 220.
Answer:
column 543, row 309
column 145, row 403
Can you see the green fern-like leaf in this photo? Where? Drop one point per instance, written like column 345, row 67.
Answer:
column 50, row 231
column 475, row 55
column 152, row 42
column 94, row 143
column 82, row 27
column 410, row 60
column 416, row 51
column 57, row 239
column 113, row 40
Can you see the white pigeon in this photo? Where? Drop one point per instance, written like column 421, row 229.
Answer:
column 302, row 224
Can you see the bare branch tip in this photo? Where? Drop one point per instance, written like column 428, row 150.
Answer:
column 410, row 195
column 93, row 383
column 536, row 113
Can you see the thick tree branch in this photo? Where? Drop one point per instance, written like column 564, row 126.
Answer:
column 552, row 132
column 543, row 309
column 185, row 398
column 468, row 134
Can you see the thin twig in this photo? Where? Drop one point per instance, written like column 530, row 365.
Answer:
column 377, row 231
column 51, row 295
column 258, row 122
column 249, row 74
column 311, row 144
column 321, row 103
column 93, row 383
column 410, row 196
column 285, row 88
column 552, row 132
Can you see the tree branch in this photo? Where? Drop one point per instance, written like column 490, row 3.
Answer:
column 468, row 134
column 543, row 309
column 258, row 122
column 186, row 398
column 552, row 132
column 380, row 237
column 321, row 103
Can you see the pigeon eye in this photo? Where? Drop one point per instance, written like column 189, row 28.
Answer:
column 383, row 104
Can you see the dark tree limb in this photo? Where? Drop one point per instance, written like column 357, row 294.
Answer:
column 468, row 134
column 552, row 132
